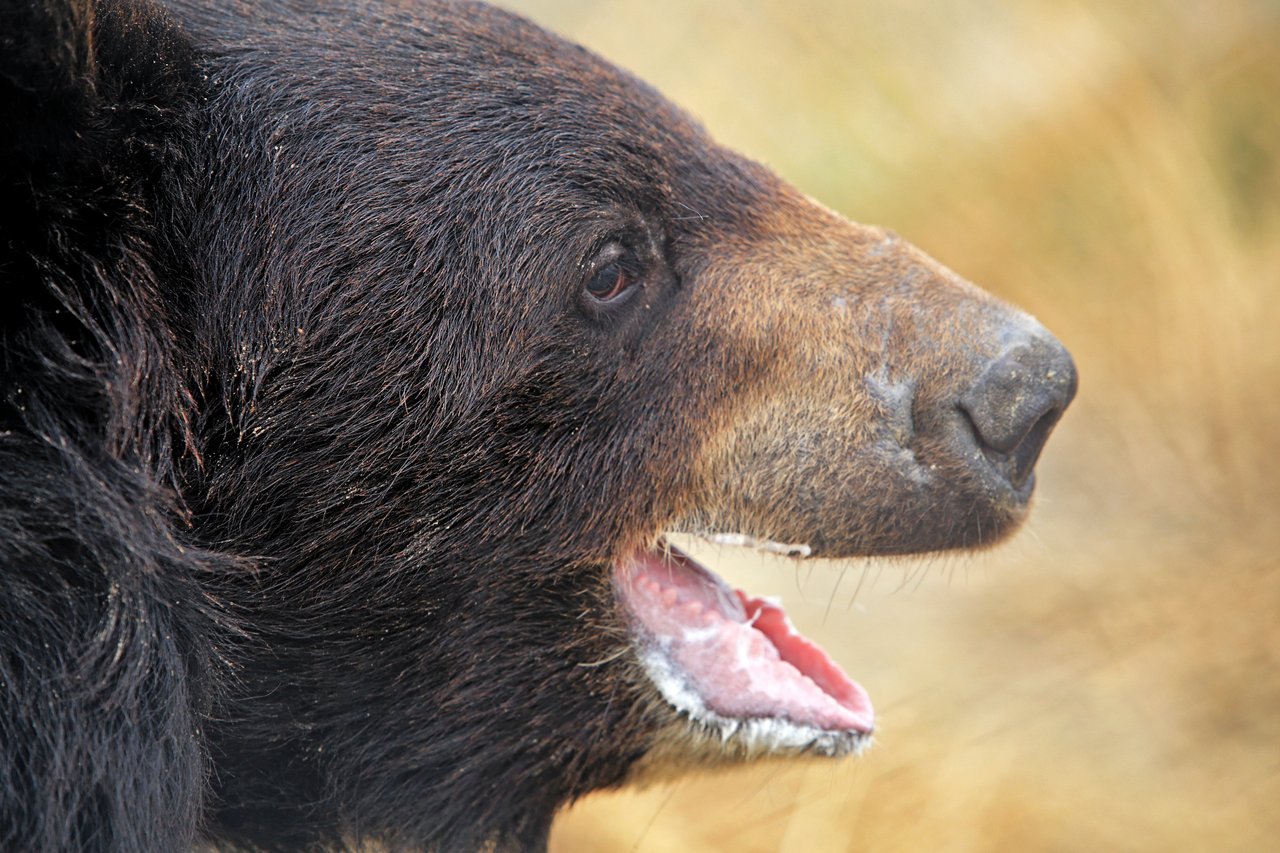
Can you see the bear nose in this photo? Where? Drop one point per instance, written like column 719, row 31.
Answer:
column 1016, row 401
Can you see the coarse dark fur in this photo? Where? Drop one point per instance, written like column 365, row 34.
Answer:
column 314, row 456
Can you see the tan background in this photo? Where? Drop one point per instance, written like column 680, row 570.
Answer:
column 1110, row 680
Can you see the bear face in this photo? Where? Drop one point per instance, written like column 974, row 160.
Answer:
column 432, row 327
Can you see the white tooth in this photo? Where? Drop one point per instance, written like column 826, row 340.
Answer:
column 743, row 540
column 796, row 550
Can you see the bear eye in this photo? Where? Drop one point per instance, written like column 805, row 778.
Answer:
column 609, row 282
column 615, row 272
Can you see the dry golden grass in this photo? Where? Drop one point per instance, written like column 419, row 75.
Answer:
column 1111, row 679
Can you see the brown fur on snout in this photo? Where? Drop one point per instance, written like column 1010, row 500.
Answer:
column 846, row 435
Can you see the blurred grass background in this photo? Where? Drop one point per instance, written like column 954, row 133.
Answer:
column 1110, row 680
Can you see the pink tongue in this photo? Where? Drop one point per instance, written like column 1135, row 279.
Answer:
column 741, row 654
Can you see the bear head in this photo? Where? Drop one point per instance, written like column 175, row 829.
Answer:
column 429, row 327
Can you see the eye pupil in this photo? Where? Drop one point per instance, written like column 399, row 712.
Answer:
column 608, row 282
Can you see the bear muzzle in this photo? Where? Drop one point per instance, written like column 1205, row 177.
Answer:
column 892, row 407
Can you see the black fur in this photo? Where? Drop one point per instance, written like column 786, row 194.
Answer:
column 308, row 481
column 109, row 643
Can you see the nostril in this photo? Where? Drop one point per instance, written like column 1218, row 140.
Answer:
column 1015, row 403
column 1027, row 451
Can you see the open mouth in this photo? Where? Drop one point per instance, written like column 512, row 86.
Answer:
column 732, row 662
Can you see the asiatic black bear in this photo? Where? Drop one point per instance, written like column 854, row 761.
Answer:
column 356, row 359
